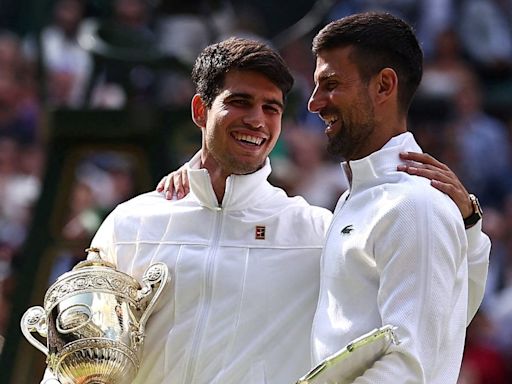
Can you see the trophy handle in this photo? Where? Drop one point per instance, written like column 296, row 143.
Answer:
column 156, row 275
column 34, row 320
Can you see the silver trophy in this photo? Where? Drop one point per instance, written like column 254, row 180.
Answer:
column 94, row 319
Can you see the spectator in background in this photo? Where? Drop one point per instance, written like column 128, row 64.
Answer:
column 18, row 117
column 183, row 29
column 433, row 17
column 66, row 66
column 499, row 265
column 315, row 176
column 446, row 68
column 483, row 145
column 482, row 362
column 18, row 107
column 486, row 32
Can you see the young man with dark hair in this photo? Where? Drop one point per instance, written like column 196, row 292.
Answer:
column 241, row 253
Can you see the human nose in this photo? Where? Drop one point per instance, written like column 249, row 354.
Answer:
column 314, row 103
column 254, row 118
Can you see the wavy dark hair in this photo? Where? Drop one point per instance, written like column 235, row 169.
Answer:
column 234, row 53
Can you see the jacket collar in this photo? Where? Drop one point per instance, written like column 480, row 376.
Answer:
column 241, row 190
column 377, row 167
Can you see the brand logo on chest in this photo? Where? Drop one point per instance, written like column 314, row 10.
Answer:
column 259, row 232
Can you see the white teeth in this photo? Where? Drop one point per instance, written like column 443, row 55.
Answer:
column 331, row 122
column 250, row 139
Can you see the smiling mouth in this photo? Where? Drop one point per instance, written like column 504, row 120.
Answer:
column 329, row 117
column 248, row 139
column 331, row 122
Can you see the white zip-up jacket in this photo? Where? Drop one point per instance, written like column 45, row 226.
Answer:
column 239, row 309
column 396, row 253
column 244, row 279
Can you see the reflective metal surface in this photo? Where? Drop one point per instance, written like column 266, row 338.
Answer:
column 94, row 319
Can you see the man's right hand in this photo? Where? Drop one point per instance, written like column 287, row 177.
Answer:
column 175, row 183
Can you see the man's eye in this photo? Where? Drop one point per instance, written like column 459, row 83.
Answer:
column 239, row 102
column 331, row 85
column 272, row 109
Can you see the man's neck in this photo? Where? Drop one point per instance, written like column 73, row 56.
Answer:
column 218, row 180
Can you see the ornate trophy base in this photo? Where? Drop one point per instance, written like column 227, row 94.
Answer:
column 94, row 361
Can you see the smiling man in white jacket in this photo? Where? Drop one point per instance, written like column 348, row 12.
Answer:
column 243, row 256
column 397, row 251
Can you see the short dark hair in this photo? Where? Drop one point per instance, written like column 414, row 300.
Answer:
column 235, row 53
column 380, row 40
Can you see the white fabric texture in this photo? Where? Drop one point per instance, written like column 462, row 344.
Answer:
column 396, row 253
column 238, row 309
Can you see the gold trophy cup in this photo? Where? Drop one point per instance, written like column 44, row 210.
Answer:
column 94, row 319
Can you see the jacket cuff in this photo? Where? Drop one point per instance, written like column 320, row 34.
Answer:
column 474, row 236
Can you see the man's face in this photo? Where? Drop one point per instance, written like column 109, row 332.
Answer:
column 342, row 100
column 243, row 123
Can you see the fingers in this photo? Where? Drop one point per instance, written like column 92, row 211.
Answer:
column 175, row 184
column 181, row 184
column 444, row 180
column 169, row 185
column 431, row 172
column 178, row 184
column 161, row 184
column 423, row 158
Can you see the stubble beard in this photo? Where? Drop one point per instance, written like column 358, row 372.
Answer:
column 353, row 136
column 348, row 142
column 231, row 165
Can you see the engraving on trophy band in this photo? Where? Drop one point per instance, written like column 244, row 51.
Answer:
column 94, row 319
column 100, row 282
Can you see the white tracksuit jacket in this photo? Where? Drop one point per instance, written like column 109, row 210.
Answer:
column 244, row 279
column 396, row 254
column 238, row 309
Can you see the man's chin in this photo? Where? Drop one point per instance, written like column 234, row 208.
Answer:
column 335, row 148
column 246, row 169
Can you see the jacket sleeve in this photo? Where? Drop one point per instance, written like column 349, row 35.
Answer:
column 420, row 254
column 479, row 247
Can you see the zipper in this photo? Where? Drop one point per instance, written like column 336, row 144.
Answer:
column 206, row 302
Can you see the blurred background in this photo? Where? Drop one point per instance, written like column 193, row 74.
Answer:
column 94, row 109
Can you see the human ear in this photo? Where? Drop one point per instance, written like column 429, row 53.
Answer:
column 199, row 111
column 386, row 84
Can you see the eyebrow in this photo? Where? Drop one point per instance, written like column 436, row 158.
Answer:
column 250, row 97
column 326, row 76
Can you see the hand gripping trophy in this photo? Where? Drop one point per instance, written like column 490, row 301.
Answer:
column 93, row 319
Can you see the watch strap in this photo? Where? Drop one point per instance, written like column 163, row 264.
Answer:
column 477, row 212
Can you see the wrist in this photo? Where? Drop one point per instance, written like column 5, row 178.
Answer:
column 476, row 214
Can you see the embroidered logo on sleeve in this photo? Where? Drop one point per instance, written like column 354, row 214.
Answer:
column 260, row 232
column 346, row 230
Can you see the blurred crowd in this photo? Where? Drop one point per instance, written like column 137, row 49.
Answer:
column 120, row 53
